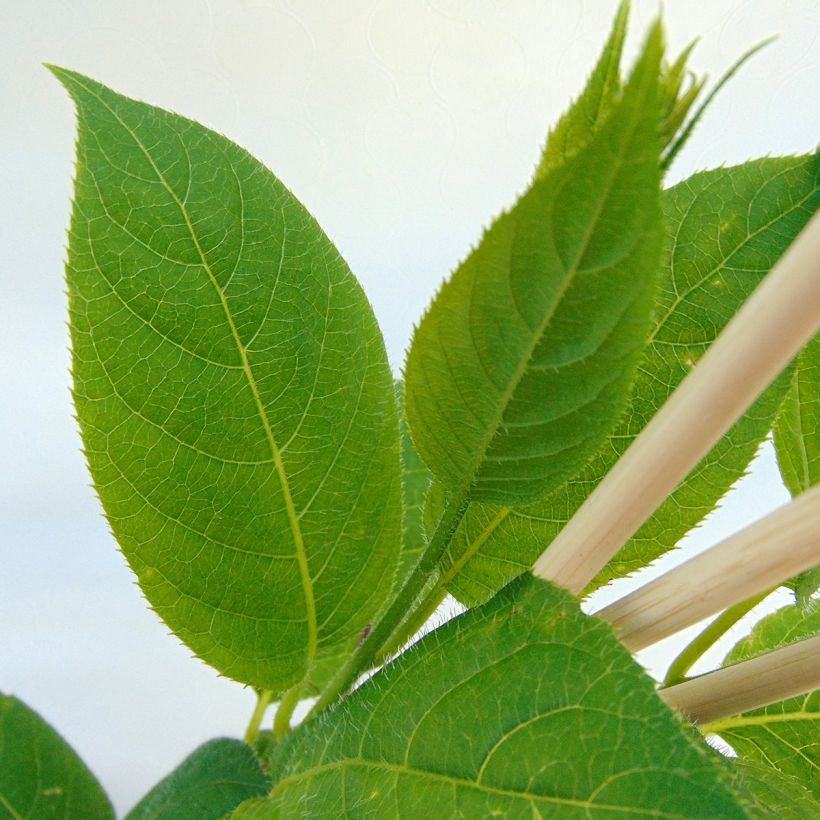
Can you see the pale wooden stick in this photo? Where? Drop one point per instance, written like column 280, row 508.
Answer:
column 779, row 318
column 784, row 673
column 759, row 557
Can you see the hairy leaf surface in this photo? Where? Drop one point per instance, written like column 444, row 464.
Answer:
column 797, row 443
column 726, row 229
column 524, row 707
column 521, row 364
column 41, row 776
column 233, row 393
column 786, row 735
column 212, row 781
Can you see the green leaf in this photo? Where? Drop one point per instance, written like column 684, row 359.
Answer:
column 769, row 793
column 726, row 229
column 797, row 443
column 523, row 361
column 212, row 781
column 783, row 735
column 586, row 115
column 233, row 394
column 797, row 431
column 524, row 707
column 41, row 776
column 415, row 478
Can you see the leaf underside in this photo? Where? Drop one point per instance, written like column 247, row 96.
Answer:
column 41, row 776
column 522, row 362
column 233, row 394
column 726, row 229
column 523, row 707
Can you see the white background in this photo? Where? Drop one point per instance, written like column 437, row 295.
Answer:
column 404, row 127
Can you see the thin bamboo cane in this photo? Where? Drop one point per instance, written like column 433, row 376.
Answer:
column 780, row 317
column 759, row 557
column 784, row 673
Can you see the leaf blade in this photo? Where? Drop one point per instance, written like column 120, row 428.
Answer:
column 496, row 543
column 580, row 122
column 212, row 781
column 528, row 315
column 232, row 390
column 40, row 774
column 469, row 722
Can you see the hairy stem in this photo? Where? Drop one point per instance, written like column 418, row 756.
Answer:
column 284, row 712
column 427, row 606
column 696, row 648
column 263, row 700
column 401, row 611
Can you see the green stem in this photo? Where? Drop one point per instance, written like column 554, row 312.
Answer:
column 263, row 700
column 372, row 649
column 284, row 712
column 695, row 650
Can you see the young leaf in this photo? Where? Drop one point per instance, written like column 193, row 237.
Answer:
column 40, row 774
column 524, row 707
column 586, row 115
column 797, row 443
column 726, row 228
column 212, row 781
column 233, row 394
column 523, row 361
column 784, row 735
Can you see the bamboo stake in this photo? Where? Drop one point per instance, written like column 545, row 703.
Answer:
column 779, row 318
column 784, row 673
column 759, row 557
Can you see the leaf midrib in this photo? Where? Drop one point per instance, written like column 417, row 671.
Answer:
column 293, row 519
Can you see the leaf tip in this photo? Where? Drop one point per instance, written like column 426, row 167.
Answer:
column 64, row 75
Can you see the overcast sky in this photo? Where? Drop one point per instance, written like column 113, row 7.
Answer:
column 404, row 126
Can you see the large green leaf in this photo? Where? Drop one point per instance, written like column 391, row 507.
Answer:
column 41, row 776
column 233, row 393
column 797, row 442
column 726, row 229
column 520, row 366
column 212, row 781
column 786, row 735
column 524, row 707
